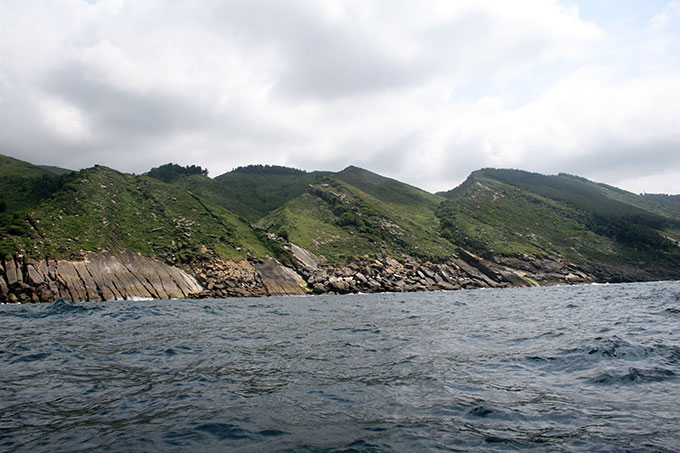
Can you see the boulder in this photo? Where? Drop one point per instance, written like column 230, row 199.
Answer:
column 572, row 278
column 34, row 277
column 318, row 288
column 374, row 285
column 12, row 273
column 4, row 290
column 280, row 280
column 308, row 259
column 42, row 268
column 339, row 286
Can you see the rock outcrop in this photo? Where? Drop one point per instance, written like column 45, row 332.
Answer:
column 280, row 280
column 127, row 275
column 268, row 277
column 99, row 276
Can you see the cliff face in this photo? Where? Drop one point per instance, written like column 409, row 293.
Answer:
column 99, row 276
column 127, row 275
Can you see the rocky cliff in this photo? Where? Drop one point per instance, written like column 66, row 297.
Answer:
column 97, row 277
column 127, row 275
column 99, row 234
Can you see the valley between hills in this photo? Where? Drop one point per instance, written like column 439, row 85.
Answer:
column 173, row 232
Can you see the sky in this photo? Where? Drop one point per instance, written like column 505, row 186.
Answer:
column 423, row 91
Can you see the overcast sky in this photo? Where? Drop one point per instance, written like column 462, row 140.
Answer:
column 424, row 91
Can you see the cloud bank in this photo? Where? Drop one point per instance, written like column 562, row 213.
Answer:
column 423, row 91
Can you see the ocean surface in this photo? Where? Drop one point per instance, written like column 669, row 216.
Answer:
column 581, row 368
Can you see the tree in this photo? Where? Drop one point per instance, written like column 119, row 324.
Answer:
column 171, row 172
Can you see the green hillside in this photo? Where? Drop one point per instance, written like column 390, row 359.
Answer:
column 24, row 185
column 513, row 211
column 254, row 210
column 56, row 170
column 101, row 209
column 252, row 192
column 671, row 202
column 356, row 212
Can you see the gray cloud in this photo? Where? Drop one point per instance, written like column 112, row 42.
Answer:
column 423, row 92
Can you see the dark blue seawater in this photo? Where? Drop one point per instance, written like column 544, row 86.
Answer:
column 583, row 368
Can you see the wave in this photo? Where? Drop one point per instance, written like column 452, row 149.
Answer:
column 633, row 376
column 603, row 350
column 56, row 308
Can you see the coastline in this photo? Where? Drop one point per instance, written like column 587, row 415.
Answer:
column 126, row 275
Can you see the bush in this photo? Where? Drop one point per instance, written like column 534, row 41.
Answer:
column 171, row 172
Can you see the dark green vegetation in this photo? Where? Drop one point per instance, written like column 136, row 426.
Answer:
column 355, row 213
column 255, row 210
column 55, row 170
column 171, row 172
column 511, row 211
column 23, row 185
column 671, row 201
column 101, row 209
column 252, row 192
column 268, row 170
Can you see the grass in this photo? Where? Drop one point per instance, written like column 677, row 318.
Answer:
column 339, row 220
column 24, row 185
column 101, row 209
column 344, row 215
column 510, row 212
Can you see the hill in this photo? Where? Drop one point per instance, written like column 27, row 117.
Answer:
column 56, row 170
column 670, row 201
column 100, row 209
column 355, row 213
column 509, row 212
column 24, row 185
column 251, row 192
column 263, row 229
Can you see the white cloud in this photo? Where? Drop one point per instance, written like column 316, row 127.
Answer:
column 422, row 91
column 65, row 120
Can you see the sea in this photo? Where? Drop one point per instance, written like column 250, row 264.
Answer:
column 565, row 368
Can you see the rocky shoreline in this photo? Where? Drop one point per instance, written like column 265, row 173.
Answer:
column 97, row 277
column 127, row 275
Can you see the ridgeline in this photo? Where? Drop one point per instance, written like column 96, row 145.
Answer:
column 99, row 234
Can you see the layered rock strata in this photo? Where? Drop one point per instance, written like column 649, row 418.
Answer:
column 268, row 277
column 127, row 275
column 99, row 276
column 406, row 275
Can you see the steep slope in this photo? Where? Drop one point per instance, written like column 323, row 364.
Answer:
column 510, row 212
column 671, row 202
column 56, row 170
column 254, row 191
column 98, row 234
column 355, row 213
column 100, row 209
column 24, row 185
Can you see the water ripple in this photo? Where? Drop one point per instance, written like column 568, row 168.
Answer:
column 585, row 368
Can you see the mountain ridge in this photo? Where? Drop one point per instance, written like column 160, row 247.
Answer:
column 253, row 230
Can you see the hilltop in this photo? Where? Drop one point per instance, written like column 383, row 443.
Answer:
column 507, row 213
column 268, row 229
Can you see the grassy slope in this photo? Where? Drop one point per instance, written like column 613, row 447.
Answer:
column 670, row 202
column 56, row 170
column 339, row 215
column 24, row 185
column 356, row 212
column 511, row 211
column 251, row 196
column 102, row 209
